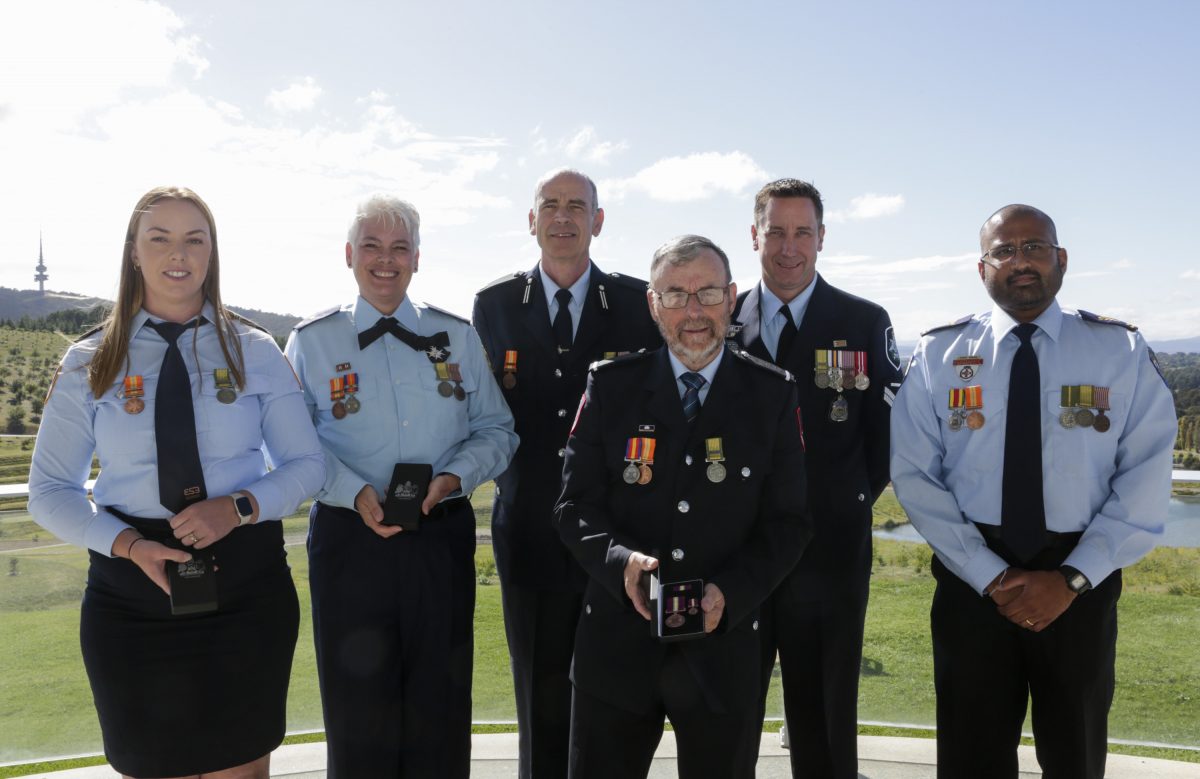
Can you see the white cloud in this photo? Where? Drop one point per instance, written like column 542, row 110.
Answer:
column 868, row 206
column 298, row 96
column 1193, row 275
column 1123, row 264
column 934, row 263
column 583, row 146
column 694, row 177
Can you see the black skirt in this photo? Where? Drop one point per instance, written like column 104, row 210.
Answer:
column 198, row 693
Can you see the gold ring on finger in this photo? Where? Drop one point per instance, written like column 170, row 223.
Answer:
column 1030, row 623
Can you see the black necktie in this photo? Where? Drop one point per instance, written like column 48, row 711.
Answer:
column 388, row 324
column 1022, row 509
column 786, row 335
column 563, row 333
column 180, row 476
column 691, row 395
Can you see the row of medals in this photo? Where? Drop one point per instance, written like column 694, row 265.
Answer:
column 640, row 473
column 1083, row 417
column 675, row 616
column 350, row 405
column 974, row 419
column 135, row 405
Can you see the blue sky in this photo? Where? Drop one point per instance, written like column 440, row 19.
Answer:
column 916, row 120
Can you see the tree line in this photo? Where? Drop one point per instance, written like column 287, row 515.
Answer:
column 1182, row 373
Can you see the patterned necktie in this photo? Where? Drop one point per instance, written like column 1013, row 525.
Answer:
column 180, row 475
column 691, row 396
column 1022, row 509
column 563, row 333
column 786, row 335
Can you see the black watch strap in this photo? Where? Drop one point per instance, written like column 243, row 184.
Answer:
column 1076, row 581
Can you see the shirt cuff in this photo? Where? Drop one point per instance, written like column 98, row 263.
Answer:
column 102, row 531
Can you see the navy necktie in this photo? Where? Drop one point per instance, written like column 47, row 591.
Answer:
column 563, row 332
column 691, row 396
column 786, row 335
column 180, row 475
column 1022, row 508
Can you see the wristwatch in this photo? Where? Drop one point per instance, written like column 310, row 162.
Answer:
column 245, row 509
column 1076, row 581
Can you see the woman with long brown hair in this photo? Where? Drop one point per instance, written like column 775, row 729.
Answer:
column 190, row 616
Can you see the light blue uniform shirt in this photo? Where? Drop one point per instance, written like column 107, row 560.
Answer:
column 771, row 317
column 402, row 418
column 230, row 437
column 578, row 293
column 1112, row 486
column 708, row 371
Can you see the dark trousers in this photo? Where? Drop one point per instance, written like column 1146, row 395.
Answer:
column 540, row 626
column 819, row 643
column 393, row 625
column 986, row 669
column 608, row 741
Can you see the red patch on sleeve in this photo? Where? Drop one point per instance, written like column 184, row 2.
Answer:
column 578, row 411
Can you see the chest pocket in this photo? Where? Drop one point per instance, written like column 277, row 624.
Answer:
column 444, row 415
column 231, row 424
column 119, row 432
column 1084, row 450
column 972, row 455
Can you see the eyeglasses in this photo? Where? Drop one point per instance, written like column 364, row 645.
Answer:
column 1033, row 250
column 709, row 296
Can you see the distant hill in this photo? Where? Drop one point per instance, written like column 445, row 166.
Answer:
column 17, row 303
column 1186, row 345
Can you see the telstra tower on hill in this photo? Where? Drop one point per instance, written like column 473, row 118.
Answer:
column 41, row 276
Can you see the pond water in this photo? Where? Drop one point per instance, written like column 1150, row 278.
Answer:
column 1182, row 529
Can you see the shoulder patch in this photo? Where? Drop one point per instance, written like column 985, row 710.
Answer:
column 88, row 334
column 447, row 313
column 625, row 281
column 317, row 317
column 246, row 320
column 1099, row 319
column 621, row 360
column 744, row 355
column 506, row 278
column 955, row 323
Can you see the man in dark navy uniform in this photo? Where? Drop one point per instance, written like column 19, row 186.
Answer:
column 688, row 463
column 541, row 329
column 842, row 351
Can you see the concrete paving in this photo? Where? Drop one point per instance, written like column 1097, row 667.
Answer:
column 880, row 757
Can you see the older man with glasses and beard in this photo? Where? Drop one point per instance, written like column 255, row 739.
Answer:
column 684, row 501
column 1028, row 561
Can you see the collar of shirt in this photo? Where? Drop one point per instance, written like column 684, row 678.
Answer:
column 143, row 316
column 366, row 315
column 1049, row 322
column 771, row 323
column 708, row 372
column 578, row 294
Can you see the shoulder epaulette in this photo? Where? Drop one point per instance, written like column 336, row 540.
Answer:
column 317, row 317
column 503, row 280
column 771, row 367
column 246, row 321
column 1088, row 316
column 447, row 313
column 955, row 323
column 90, row 333
column 626, row 281
column 619, row 360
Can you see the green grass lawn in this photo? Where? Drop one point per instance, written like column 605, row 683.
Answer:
column 45, row 704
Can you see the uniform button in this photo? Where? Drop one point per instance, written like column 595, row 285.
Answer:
column 754, row 625
column 562, row 452
column 683, row 507
column 406, row 423
column 861, row 497
column 676, row 554
column 746, row 473
column 588, row 608
column 562, row 412
column 558, row 373
column 687, row 460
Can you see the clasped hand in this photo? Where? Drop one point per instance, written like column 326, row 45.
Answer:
column 712, row 604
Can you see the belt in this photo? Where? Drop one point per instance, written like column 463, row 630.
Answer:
column 1052, row 554
column 440, row 511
